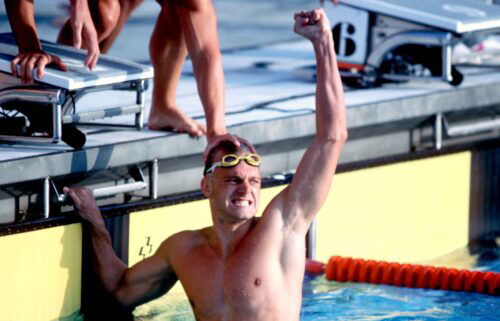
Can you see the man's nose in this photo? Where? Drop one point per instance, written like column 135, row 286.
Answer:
column 244, row 187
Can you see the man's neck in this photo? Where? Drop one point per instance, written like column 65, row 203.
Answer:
column 227, row 235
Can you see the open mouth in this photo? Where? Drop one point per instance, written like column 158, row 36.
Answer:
column 241, row 202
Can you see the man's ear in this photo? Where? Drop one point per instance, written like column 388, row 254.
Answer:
column 205, row 187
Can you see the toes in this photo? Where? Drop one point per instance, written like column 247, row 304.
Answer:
column 202, row 128
column 195, row 131
column 177, row 121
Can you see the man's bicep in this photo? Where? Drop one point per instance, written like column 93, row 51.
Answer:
column 146, row 280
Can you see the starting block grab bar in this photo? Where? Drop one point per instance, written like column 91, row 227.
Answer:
column 441, row 125
column 32, row 95
column 111, row 190
column 135, row 172
column 470, row 129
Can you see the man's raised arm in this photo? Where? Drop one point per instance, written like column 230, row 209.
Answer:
column 145, row 281
column 302, row 199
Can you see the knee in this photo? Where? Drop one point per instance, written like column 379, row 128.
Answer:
column 105, row 17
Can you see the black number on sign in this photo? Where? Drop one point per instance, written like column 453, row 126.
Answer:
column 146, row 249
column 341, row 33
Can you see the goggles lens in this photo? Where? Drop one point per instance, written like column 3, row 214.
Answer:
column 232, row 160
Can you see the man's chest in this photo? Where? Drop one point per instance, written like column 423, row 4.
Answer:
column 247, row 281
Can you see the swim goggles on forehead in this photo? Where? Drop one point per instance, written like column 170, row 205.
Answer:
column 232, row 160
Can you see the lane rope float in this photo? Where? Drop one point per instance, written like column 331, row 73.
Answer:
column 346, row 269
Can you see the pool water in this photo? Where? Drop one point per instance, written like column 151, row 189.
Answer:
column 324, row 300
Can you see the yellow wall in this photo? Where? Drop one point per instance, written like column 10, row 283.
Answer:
column 159, row 223
column 404, row 212
column 40, row 274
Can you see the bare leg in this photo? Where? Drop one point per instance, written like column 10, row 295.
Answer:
column 199, row 26
column 168, row 52
column 127, row 6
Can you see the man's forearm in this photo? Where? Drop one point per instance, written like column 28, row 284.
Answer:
column 21, row 14
column 107, row 265
column 330, row 105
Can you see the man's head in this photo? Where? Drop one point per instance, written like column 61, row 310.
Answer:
column 231, row 181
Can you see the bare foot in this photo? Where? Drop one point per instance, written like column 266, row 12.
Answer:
column 174, row 119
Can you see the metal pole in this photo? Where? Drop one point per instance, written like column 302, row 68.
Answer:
column 153, row 179
column 99, row 114
column 113, row 190
column 446, row 59
column 57, row 121
column 46, row 197
column 140, row 100
column 438, row 131
column 311, row 241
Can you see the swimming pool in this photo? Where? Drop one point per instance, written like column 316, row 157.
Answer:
column 324, row 300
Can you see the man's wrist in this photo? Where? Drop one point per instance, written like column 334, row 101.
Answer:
column 94, row 218
column 28, row 43
column 98, row 227
column 323, row 37
column 30, row 49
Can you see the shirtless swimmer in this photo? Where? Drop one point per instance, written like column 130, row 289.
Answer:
column 242, row 267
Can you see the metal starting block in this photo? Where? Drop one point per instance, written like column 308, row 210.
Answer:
column 398, row 40
column 46, row 111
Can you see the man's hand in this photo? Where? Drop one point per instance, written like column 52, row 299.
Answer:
column 215, row 140
column 312, row 25
column 85, row 204
column 31, row 59
column 83, row 27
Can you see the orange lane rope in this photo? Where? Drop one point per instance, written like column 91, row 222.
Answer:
column 345, row 269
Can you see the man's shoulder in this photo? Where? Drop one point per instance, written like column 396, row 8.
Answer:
column 187, row 238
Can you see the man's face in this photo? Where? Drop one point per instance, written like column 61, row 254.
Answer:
column 234, row 192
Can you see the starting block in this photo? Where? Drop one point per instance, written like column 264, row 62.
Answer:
column 46, row 111
column 399, row 40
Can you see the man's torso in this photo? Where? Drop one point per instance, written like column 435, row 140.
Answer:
column 260, row 280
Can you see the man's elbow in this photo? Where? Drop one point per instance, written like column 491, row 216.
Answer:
column 123, row 298
column 121, row 292
column 336, row 137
